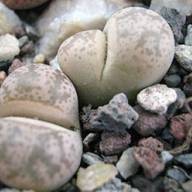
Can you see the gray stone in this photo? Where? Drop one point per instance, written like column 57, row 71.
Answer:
column 188, row 38
column 172, row 80
column 185, row 160
column 127, row 165
column 183, row 54
column 91, row 158
column 187, row 186
column 175, row 20
column 157, row 98
column 177, row 174
column 116, row 116
column 116, row 185
column 166, row 156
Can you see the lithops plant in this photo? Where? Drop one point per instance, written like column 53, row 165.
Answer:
column 9, row 21
column 40, row 142
column 23, row 4
column 65, row 18
column 135, row 50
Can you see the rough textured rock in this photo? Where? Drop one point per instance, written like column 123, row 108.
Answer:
column 149, row 160
column 9, row 21
column 127, row 164
column 116, row 116
column 183, row 54
column 9, row 47
column 157, row 98
column 65, row 18
column 183, row 6
column 116, row 185
column 23, row 4
column 95, row 176
column 113, row 143
column 185, row 160
column 176, row 21
column 127, row 64
column 180, row 125
column 148, row 123
column 188, row 38
column 151, row 143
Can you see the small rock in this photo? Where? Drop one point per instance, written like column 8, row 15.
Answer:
column 173, row 69
column 188, row 38
column 149, row 160
column 157, row 98
column 16, row 63
column 177, row 174
column 115, row 185
column 187, row 186
column 3, row 76
column 27, row 48
column 180, row 125
column 40, row 58
column 171, row 185
column 95, row 176
column 172, row 80
column 183, row 54
column 114, row 143
column 116, row 116
column 152, row 144
column 110, row 159
column 127, row 164
column 89, row 140
column 179, row 103
column 149, row 123
column 9, row 47
column 91, row 158
column 167, row 136
column 166, row 156
column 175, row 20
column 188, row 85
column 23, row 40
column 185, row 160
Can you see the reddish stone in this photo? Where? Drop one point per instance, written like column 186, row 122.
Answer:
column 15, row 64
column 148, row 123
column 180, row 125
column 113, row 143
column 149, row 160
column 152, row 144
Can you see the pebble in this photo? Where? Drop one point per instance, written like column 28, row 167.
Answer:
column 23, row 40
column 91, row 158
column 151, row 143
column 9, row 20
column 179, row 103
column 16, row 63
column 127, row 164
column 171, row 185
column 188, row 85
column 185, row 160
column 114, row 143
column 3, row 76
column 115, row 185
column 89, row 139
column 157, row 98
column 166, row 156
column 177, row 174
column 173, row 69
column 175, row 20
column 110, row 159
column 27, row 48
column 172, row 80
column 188, row 38
column 180, row 125
column 150, row 162
column 116, row 116
column 95, row 176
column 148, row 123
column 183, row 55
column 40, row 58
column 9, row 47
column 187, row 186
